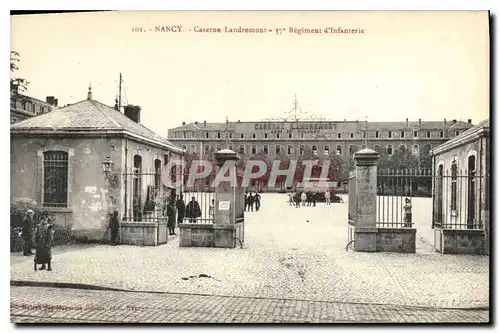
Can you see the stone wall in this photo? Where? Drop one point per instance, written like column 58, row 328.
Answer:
column 400, row 240
column 461, row 241
column 139, row 233
column 207, row 235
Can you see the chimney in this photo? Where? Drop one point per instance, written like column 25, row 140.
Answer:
column 445, row 121
column 454, row 121
column 50, row 100
column 469, row 121
column 183, row 123
column 133, row 112
column 89, row 94
column 420, row 122
column 406, row 122
column 204, row 123
column 56, row 101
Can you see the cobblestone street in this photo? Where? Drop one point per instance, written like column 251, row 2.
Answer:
column 295, row 253
column 52, row 305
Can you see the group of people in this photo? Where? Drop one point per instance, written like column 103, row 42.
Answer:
column 251, row 200
column 44, row 235
column 309, row 198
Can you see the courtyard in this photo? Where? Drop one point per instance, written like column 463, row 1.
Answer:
column 289, row 253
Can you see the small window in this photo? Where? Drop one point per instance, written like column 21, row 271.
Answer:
column 185, row 134
column 301, row 150
column 207, row 149
column 254, row 150
column 265, row 135
column 415, row 134
column 428, row 134
column 402, row 134
column 441, row 134
column 230, row 135
column 242, row 136
column 457, row 133
column 253, row 136
column 206, row 135
column 55, row 179
column 289, row 135
column 389, row 150
column 390, row 134
column 315, row 150
column 289, row 150
column 364, row 134
column 278, row 150
column 277, row 135
column 352, row 135
column 415, row 150
column 266, row 150
column 218, row 135
column 339, row 150
column 376, row 134
column 327, row 150
column 339, row 136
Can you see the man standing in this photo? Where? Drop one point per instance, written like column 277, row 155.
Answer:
column 251, row 201
column 246, row 201
column 303, row 198
column 181, row 209
column 193, row 210
column 114, row 225
column 257, row 201
column 171, row 216
column 27, row 232
column 327, row 197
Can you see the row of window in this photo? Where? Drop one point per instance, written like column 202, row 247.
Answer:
column 30, row 106
column 376, row 134
column 290, row 150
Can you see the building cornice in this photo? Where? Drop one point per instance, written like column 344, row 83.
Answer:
column 27, row 132
column 461, row 140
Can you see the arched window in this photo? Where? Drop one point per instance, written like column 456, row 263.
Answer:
column 254, row 150
column 136, row 185
column 55, row 179
column 471, row 192
column 157, row 174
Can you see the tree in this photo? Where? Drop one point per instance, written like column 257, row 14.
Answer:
column 16, row 84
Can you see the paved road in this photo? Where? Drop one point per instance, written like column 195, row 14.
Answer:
column 289, row 253
column 52, row 305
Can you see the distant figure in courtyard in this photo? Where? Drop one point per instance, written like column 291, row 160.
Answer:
column 27, row 232
column 303, row 198
column 314, row 198
column 327, row 197
column 407, row 211
column 290, row 199
column 44, row 237
column 171, row 216
column 246, row 201
column 181, row 209
column 257, row 201
column 297, row 199
column 211, row 209
column 309, row 198
column 251, row 201
column 193, row 210
column 114, row 226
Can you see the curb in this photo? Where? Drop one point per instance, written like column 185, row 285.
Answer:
column 83, row 286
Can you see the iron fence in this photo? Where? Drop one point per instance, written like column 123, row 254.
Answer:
column 457, row 199
column 395, row 190
column 206, row 202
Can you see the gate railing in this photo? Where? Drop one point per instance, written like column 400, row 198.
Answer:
column 457, row 200
column 395, row 190
column 206, row 200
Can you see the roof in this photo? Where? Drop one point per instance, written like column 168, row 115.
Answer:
column 482, row 128
column 90, row 115
column 350, row 125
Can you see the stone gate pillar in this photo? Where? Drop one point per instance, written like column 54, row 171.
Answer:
column 225, row 200
column 365, row 231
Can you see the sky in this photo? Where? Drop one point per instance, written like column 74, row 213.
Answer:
column 416, row 65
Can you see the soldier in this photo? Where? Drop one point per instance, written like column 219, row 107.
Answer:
column 27, row 232
column 171, row 216
column 407, row 211
column 114, row 226
column 257, row 201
